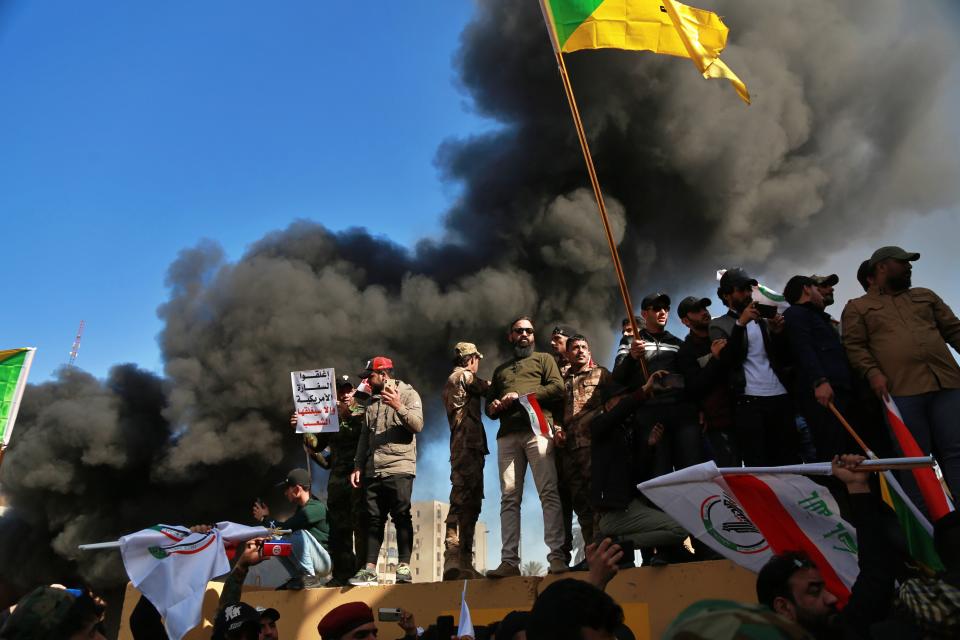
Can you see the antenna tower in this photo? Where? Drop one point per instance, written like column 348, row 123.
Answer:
column 76, row 345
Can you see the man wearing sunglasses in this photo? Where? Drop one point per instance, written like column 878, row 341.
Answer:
column 896, row 337
column 680, row 446
column 527, row 372
column 755, row 358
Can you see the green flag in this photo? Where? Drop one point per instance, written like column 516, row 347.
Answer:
column 14, row 369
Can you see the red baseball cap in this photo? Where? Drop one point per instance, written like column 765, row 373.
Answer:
column 343, row 619
column 378, row 363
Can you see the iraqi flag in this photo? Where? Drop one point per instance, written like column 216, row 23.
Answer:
column 748, row 517
column 538, row 422
column 936, row 499
column 171, row 566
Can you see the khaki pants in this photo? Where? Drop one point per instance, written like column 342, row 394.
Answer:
column 514, row 452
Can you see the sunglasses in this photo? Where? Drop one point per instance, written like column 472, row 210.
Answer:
column 523, row 330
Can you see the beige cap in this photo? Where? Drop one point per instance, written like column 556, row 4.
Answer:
column 466, row 349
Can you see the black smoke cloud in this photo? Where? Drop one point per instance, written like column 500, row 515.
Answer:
column 845, row 133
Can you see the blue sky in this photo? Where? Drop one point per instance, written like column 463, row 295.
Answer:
column 131, row 132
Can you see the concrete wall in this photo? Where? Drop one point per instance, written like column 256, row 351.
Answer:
column 650, row 597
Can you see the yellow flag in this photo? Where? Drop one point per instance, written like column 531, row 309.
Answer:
column 661, row 26
column 703, row 55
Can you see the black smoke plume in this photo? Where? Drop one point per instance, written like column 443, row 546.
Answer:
column 845, row 133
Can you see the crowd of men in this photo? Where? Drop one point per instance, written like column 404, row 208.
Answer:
column 751, row 386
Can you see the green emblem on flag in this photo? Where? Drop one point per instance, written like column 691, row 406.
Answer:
column 158, row 553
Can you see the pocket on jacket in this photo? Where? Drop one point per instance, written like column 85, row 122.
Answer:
column 396, row 448
column 874, row 317
column 923, row 302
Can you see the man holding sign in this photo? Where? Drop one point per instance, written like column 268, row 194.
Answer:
column 521, row 392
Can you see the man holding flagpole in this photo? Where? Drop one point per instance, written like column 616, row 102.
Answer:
column 521, row 391
column 896, row 337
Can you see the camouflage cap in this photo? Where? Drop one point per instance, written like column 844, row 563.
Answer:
column 464, row 349
column 38, row 615
column 728, row 620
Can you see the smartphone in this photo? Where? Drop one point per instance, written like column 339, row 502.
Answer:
column 388, row 615
column 445, row 627
column 767, row 311
column 276, row 549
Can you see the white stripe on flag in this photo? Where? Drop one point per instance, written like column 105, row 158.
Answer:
column 538, row 422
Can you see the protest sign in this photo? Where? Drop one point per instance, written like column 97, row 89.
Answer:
column 315, row 396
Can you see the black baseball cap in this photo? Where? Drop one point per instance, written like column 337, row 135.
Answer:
column 892, row 252
column 736, row 278
column 269, row 612
column 794, row 288
column 654, row 300
column 564, row 330
column 296, row 477
column 691, row 303
column 235, row 616
column 825, row 281
column 343, row 382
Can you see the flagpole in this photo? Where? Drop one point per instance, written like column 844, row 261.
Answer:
column 850, row 430
column 594, row 181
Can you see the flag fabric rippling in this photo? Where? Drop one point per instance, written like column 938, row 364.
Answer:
column 748, row 517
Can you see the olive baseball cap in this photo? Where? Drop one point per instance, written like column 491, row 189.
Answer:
column 826, row 281
column 897, row 253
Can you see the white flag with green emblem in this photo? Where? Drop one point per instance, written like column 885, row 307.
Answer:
column 172, row 565
column 14, row 369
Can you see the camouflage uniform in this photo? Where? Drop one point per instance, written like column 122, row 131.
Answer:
column 581, row 403
column 468, row 447
column 344, row 503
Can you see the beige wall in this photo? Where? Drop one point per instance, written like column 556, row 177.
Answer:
column 650, row 597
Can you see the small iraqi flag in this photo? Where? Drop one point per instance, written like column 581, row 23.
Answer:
column 538, row 422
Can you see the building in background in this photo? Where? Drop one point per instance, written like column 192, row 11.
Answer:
column 429, row 530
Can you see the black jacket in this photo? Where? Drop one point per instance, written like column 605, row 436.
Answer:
column 619, row 455
column 661, row 353
column 871, row 597
column 735, row 353
column 705, row 381
column 816, row 348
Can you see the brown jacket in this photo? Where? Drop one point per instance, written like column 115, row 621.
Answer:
column 388, row 441
column 582, row 402
column 461, row 400
column 904, row 336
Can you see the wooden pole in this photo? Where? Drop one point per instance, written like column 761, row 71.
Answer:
column 594, row 181
column 850, row 430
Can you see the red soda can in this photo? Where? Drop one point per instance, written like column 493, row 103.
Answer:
column 276, row 549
